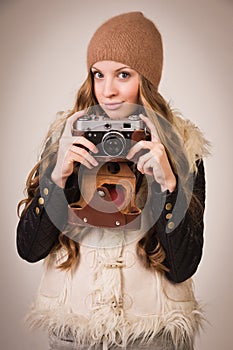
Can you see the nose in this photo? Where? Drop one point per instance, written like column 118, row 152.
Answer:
column 109, row 87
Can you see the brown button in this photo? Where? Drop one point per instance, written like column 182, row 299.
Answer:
column 168, row 206
column 37, row 210
column 41, row 201
column 171, row 225
column 45, row 191
column 169, row 216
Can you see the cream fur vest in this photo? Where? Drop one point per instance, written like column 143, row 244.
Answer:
column 110, row 294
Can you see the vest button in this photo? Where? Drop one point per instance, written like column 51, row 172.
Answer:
column 41, row 201
column 171, row 225
column 45, row 191
column 169, row 216
column 168, row 206
column 37, row 211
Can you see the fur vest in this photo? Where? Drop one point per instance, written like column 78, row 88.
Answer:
column 110, row 294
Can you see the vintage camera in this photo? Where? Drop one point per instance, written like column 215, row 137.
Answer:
column 112, row 137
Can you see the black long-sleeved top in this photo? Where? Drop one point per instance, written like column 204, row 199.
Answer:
column 180, row 231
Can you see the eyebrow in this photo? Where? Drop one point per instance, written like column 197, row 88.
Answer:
column 117, row 70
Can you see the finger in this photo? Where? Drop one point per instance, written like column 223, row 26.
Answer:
column 83, row 155
column 81, row 140
column 142, row 160
column 151, row 167
column 140, row 145
column 81, row 160
column 70, row 121
column 151, row 127
column 73, row 157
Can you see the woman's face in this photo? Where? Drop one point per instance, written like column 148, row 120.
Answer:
column 116, row 87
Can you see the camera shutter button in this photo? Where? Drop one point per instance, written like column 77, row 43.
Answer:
column 107, row 126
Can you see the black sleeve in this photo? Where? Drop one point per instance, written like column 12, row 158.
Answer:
column 180, row 228
column 46, row 216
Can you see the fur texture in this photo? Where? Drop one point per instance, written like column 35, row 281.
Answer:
column 110, row 318
column 180, row 316
column 196, row 145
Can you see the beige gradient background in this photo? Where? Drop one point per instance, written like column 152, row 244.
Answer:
column 43, row 51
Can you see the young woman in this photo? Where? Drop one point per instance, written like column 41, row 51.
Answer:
column 112, row 287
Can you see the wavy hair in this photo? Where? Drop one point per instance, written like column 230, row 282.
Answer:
column 161, row 114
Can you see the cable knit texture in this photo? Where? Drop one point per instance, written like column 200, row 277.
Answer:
column 131, row 39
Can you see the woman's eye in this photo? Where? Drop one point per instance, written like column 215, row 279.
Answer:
column 97, row 75
column 124, row 75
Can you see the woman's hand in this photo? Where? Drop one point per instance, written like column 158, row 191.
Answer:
column 72, row 149
column 155, row 162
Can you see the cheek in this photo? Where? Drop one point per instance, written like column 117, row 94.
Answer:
column 133, row 92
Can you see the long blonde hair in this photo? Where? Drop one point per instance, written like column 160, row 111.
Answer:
column 152, row 257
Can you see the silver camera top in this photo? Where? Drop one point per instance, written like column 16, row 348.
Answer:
column 102, row 123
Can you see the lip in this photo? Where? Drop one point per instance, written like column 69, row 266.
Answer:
column 112, row 106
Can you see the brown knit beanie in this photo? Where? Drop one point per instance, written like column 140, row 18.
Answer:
column 131, row 39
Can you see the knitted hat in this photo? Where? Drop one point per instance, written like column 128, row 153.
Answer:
column 131, row 39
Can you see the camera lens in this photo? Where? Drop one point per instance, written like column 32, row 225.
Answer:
column 113, row 143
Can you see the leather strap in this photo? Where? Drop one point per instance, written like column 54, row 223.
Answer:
column 96, row 208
